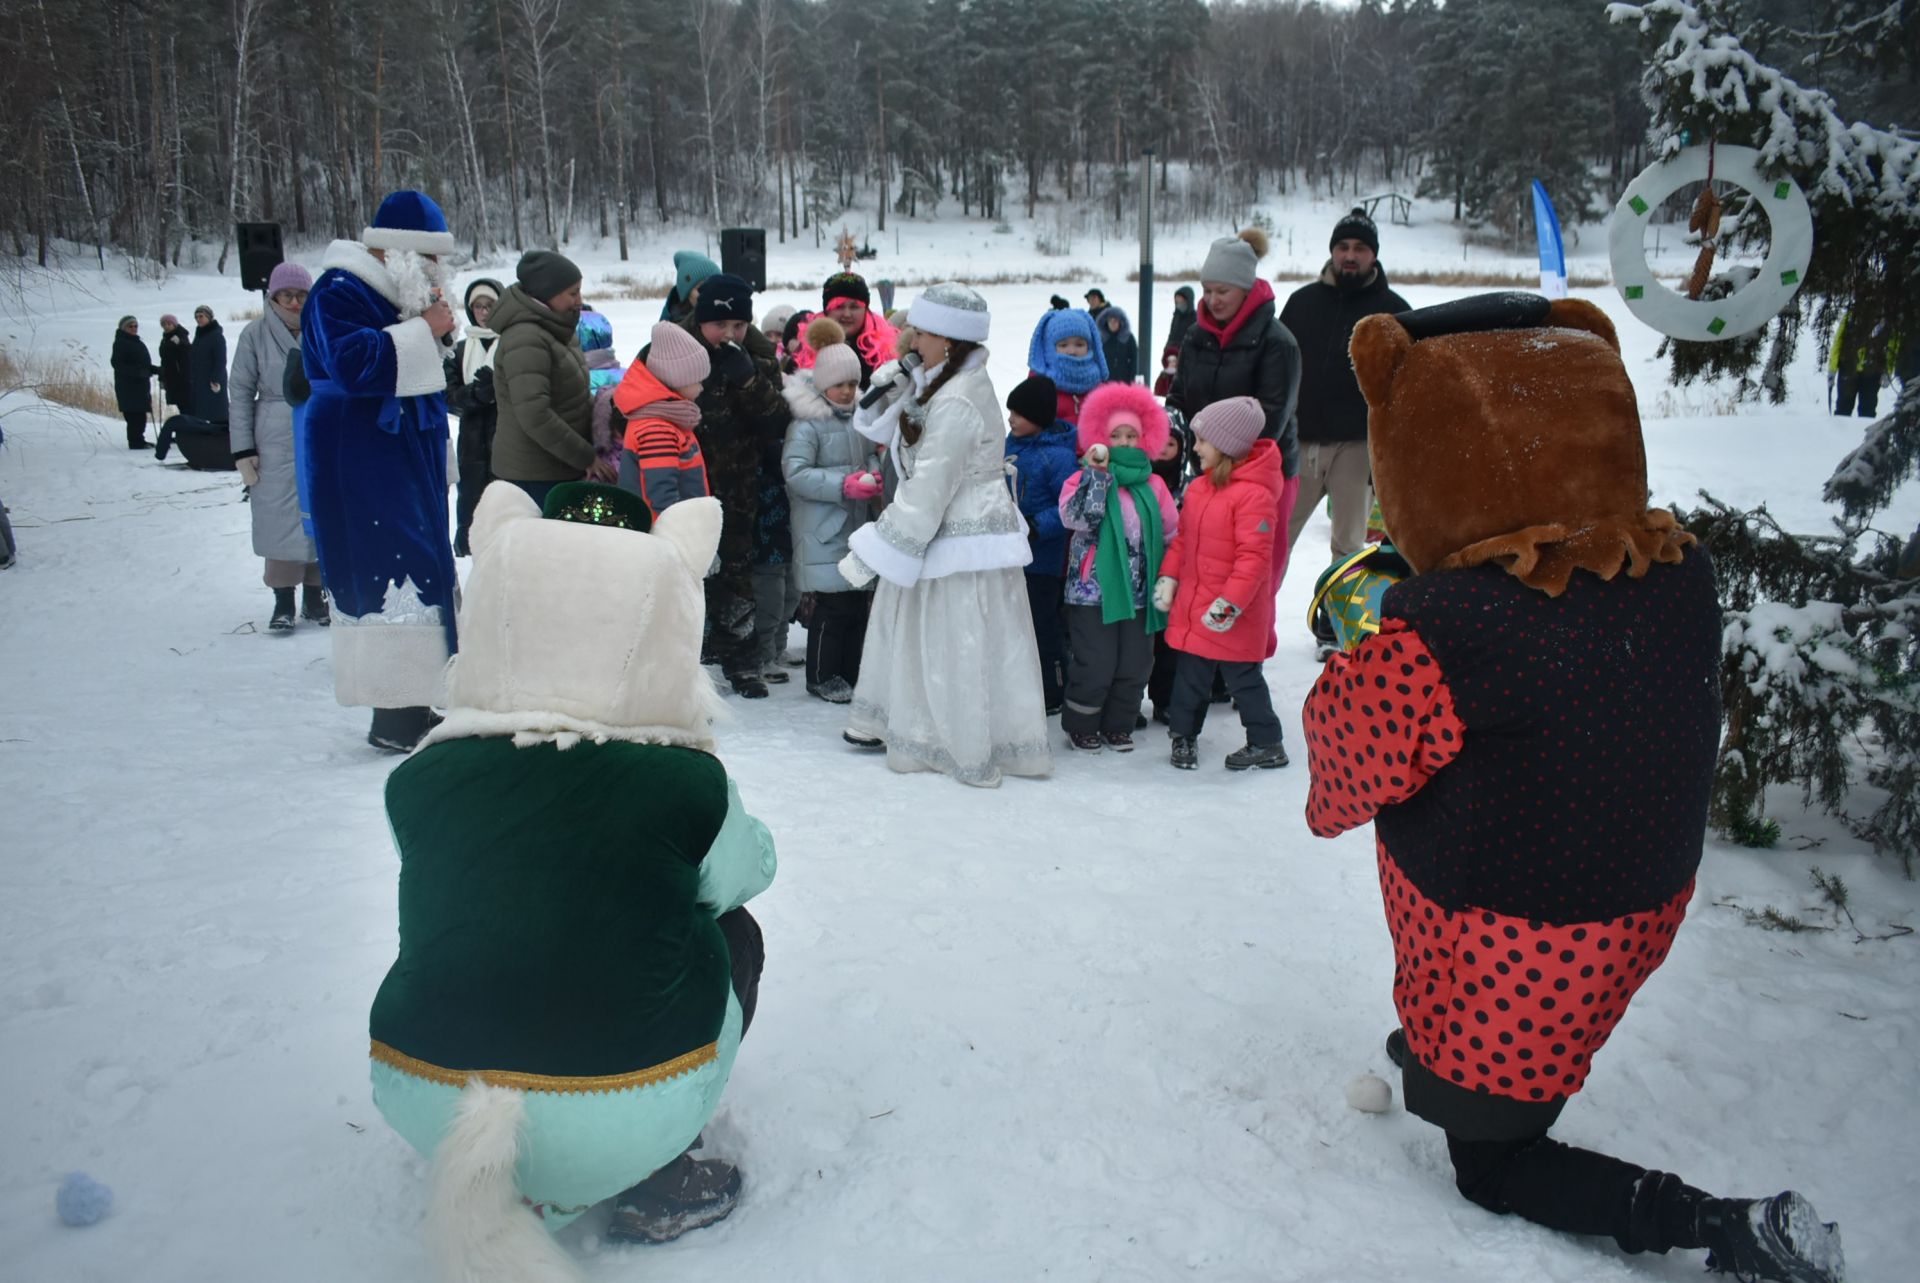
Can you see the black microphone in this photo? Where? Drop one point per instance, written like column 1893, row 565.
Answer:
column 908, row 364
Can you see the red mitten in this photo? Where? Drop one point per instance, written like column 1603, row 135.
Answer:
column 861, row 486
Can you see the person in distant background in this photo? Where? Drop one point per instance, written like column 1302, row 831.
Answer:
column 1118, row 344
column 1096, row 303
column 133, row 371
column 176, row 366
column 208, row 399
column 470, row 395
column 1182, row 316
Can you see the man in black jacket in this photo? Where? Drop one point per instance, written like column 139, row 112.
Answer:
column 1332, row 413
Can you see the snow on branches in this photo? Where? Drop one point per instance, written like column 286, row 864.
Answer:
column 1706, row 85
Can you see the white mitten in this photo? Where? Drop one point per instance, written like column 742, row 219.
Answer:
column 855, row 571
column 1221, row 614
column 1163, row 589
column 249, row 470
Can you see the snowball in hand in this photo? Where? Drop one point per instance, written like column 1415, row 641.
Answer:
column 1370, row 1095
column 82, row 1200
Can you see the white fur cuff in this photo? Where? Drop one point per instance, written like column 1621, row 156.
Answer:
column 378, row 665
column 417, row 355
column 870, row 552
column 418, row 242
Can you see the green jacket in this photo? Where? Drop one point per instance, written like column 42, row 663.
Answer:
column 557, row 908
column 545, row 398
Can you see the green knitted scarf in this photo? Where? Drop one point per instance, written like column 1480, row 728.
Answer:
column 1132, row 471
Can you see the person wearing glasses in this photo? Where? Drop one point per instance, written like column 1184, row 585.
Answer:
column 260, row 430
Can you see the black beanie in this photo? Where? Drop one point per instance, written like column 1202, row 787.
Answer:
column 1036, row 400
column 845, row 285
column 543, row 273
column 724, row 297
column 1356, row 226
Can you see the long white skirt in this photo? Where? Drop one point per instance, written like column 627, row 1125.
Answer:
column 950, row 678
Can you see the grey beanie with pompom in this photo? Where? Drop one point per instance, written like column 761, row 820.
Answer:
column 1231, row 260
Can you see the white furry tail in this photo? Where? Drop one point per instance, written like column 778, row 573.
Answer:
column 478, row 1228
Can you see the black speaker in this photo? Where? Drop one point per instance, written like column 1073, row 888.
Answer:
column 259, row 253
column 743, row 252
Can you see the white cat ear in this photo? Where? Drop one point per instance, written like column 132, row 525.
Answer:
column 501, row 504
column 692, row 526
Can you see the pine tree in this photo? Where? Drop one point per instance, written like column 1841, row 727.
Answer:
column 1822, row 669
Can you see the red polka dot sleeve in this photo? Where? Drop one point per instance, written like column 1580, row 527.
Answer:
column 1379, row 723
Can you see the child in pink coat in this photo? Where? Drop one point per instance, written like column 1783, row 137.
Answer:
column 1216, row 584
column 1122, row 517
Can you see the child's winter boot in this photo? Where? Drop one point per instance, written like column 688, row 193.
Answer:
column 1264, row 756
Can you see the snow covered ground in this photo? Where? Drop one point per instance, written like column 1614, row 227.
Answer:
column 1093, row 1028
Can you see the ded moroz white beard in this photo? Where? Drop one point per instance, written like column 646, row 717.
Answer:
column 416, row 279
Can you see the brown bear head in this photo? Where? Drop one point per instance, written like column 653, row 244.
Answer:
column 1504, row 428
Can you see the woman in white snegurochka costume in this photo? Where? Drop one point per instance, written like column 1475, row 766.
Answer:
column 950, row 679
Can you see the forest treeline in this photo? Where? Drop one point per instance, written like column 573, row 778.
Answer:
column 140, row 126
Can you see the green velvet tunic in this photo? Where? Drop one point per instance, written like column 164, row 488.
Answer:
column 552, row 913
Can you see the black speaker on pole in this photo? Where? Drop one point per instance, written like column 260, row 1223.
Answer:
column 743, row 252
column 259, row 253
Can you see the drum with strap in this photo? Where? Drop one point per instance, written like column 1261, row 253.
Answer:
column 1351, row 591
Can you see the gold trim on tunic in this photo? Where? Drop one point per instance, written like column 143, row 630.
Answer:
column 660, row 1073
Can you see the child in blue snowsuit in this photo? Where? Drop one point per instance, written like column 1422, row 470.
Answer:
column 1042, row 450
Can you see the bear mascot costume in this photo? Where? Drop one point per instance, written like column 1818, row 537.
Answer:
column 575, row 968
column 1533, row 732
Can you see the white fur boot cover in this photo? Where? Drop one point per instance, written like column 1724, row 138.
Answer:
column 478, row 1228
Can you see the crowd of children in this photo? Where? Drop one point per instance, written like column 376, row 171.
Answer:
column 1144, row 579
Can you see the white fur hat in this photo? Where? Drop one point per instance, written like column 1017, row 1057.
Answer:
column 952, row 312
column 570, row 630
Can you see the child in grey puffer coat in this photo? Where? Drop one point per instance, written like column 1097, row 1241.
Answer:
column 833, row 479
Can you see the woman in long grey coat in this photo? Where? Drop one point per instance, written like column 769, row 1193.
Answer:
column 260, row 428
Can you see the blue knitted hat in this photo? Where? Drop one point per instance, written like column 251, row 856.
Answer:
column 410, row 220
column 1076, row 375
column 690, row 267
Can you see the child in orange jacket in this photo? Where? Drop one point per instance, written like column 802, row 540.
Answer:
column 661, row 461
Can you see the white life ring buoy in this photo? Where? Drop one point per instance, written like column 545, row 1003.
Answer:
column 1790, row 225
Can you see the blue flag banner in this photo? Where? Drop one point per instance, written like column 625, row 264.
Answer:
column 1553, row 257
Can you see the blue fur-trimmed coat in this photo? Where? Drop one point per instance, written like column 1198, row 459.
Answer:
column 376, row 434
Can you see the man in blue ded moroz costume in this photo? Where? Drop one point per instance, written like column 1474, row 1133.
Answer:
column 376, row 447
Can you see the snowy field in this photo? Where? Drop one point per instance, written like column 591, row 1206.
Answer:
column 1091, row 1028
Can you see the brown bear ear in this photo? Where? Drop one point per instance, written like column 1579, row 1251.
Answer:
column 1379, row 345
column 1578, row 314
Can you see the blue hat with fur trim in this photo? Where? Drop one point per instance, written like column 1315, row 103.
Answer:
column 410, row 220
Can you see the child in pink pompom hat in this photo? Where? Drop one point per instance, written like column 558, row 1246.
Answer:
column 1122, row 517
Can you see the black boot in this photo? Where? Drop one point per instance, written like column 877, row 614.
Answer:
column 1780, row 1238
column 686, row 1194
column 398, row 730
column 1185, row 754
column 747, row 685
column 1266, row 757
column 313, row 606
column 282, row 621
